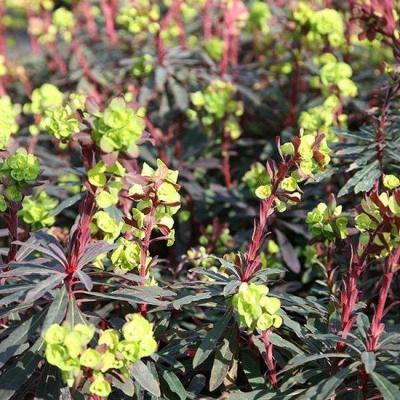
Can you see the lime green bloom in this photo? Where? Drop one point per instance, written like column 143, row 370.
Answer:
column 215, row 49
column 3, row 203
column 263, row 191
column 21, row 167
column 43, row 98
column 126, row 256
column 137, row 328
column 90, row 358
column 109, row 337
column 391, row 181
column 55, row 334
column 103, row 222
column 57, row 355
column 141, row 18
column 70, row 182
column 255, row 308
column 259, row 14
column 60, row 122
column 118, row 128
column 327, row 222
column 63, row 18
column 36, row 210
column 100, row 386
column 8, row 120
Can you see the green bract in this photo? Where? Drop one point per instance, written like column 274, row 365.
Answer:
column 67, row 349
column 118, row 128
column 44, row 98
column 391, row 181
column 36, row 210
column 143, row 17
column 60, row 122
column 8, row 123
column 327, row 222
column 109, row 227
column 257, row 310
column 22, row 169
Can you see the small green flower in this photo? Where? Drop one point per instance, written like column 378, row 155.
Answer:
column 109, row 337
column 36, row 210
column 44, row 98
column 118, row 128
column 263, row 191
column 100, row 386
column 137, row 328
column 55, row 334
column 391, row 182
column 90, row 358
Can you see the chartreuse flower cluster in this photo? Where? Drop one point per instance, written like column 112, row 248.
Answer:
column 259, row 15
column 142, row 16
column 324, row 26
column 36, row 210
column 17, row 172
column 256, row 310
column 256, row 177
column 214, row 48
column 334, row 75
column 8, row 120
column 108, row 178
column 158, row 192
column 327, row 222
column 68, row 348
column 381, row 213
column 311, row 154
column 61, row 120
column 142, row 65
column 118, row 127
column 156, row 198
column 43, row 98
column 217, row 103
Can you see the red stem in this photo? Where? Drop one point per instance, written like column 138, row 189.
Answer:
column 109, row 18
column 269, row 358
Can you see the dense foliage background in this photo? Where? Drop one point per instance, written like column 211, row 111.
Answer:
column 199, row 199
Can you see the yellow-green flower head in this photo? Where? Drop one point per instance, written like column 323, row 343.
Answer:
column 255, row 308
column 63, row 19
column 73, row 344
column 129, row 350
column 3, row 203
column 328, row 22
column 118, row 128
column 259, row 14
column 57, row 355
column 137, row 328
column 126, row 256
column 44, row 98
column 327, row 222
column 148, row 346
column 85, row 331
column 55, row 334
column 215, row 49
column 23, row 168
column 109, row 337
column 60, row 122
column 8, row 123
column 144, row 16
column 110, row 228
column 391, row 182
column 36, row 210
column 90, row 358
column 100, row 386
